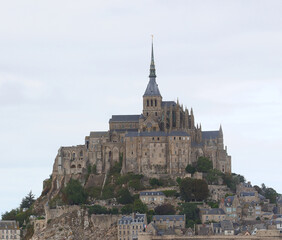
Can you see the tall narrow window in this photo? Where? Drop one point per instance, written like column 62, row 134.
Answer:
column 152, row 102
column 147, row 103
column 155, row 102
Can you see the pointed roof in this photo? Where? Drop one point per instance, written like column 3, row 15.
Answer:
column 152, row 87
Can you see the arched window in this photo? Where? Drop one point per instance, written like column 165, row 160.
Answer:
column 72, row 166
column 73, row 155
column 81, row 153
column 79, row 165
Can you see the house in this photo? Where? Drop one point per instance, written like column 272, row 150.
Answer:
column 212, row 215
column 232, row 208
column 279, row 205
column 130, row 226
column 251, row 211
column 248, row 196
column 156, row 198
column 224, row 227
column 166, row 222
column 9, row 230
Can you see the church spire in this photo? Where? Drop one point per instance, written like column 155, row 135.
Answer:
column 152, row 66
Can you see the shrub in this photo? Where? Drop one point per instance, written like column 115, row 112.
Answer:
column 190, row 169
column 97, row 209
column 194, row 189
column 108, row 192
column 154, row 182
column 204, row 164
column 170, row 193
column 165, row 209
column 140, row 207
column 74, row 193
column 127, row 209
column 124, row 196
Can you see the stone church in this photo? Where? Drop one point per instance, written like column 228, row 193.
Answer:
column 160, row 141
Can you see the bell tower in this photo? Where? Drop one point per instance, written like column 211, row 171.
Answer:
column 152, row 99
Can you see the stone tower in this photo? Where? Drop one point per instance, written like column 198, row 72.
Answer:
column 152, row 99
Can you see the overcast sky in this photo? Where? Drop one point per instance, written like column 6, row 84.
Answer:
column 67, row 66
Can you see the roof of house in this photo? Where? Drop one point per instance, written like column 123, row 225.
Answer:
column 169, row 217
column 215, row 211
column 156, row 134
column 247, row 194
column 226, row 225
column 138, row 218
column 156, row 193
column 9, row 225
column 229, row 201
column 125, row 118
column 210, row 134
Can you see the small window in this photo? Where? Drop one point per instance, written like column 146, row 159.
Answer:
column 152, row 102
column 147, row 103
column 156, row 114
column 156, row 102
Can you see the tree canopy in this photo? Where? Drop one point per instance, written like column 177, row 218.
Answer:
column 165, row 209
column 124, row 196
column 28, row 200
column 74, row 193
column 194, row 189
column 204, row 164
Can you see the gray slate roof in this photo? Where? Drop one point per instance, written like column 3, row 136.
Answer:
column 210, row 134
column 226, row 225
column 125, row 118
column 8, row 225
column 215, row 211
column 168, row 103
column 156, row 134
column 247, row 194
column 157, row 193
column 152, row 88
column 139, row 218
column 169, row 217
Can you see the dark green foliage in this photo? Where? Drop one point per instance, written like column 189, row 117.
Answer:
column 114, row 211
column 94, row 169
column 28, row 200
column 124, row 179
column 10, row 215
column 191, row 212
column 213, row 204
column 124, row 196
column 108, row 192
column 94, row 192
column 190, row 224
column 136, row 184
column 154, row 182
column 74, row 193
column 194, row 189
column 127, row 209
column 97, row 209
column 178, row 180
column 271, row 194
column 136, row 196
column 170, row 193
column 213, row 176
column 232, row 180
column 140, row 207
column 18, row 215
column 117, row 166
column 165, row 209
column 204, row 164
column 150, row 214
column 190, row 169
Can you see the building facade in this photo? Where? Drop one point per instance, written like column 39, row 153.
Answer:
column 9, row 230
column 129, row 227
column 153, row 198
column 161, row 140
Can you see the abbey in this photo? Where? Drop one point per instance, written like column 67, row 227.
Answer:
column 160, row 141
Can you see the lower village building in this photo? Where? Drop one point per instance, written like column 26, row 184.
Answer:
column 158, row 142
column 9, row 230
column 152, row 198
column 129, row 227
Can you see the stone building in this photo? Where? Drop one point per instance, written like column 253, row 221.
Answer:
column 158, row 142
column 129, row 227
column 212, row 215
column 152, row 198
column 9, row 230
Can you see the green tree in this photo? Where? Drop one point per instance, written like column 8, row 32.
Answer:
column 97, row 209
column 140, row 207
column 213, row 176
column 124, row 196
column 190, row 169
column 204, row 164
column 28, row 200
column 127, row 209
column 154, row 182
column 191, row 212
column 10, row 215
column 194, row 189
column 74, row 193
column 165, row 209
column 271, row 194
